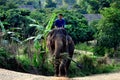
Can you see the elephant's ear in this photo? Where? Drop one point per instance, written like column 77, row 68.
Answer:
column 69, row 39
column 49, row 43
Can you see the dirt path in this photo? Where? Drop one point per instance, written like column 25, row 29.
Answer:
column 12, row 75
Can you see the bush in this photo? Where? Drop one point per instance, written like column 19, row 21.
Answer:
column 41, row 16
column 95, row 65
column 4, row 56
column 17, row 22
column 88, row 64
column 99, row 51
column 8, row 61
column 30, row 65
column 3, row 53
column 75, row 71
column 85, row 47
column 24, row 61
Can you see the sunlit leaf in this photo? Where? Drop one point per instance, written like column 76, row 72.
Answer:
column 38, row 37
column 16, row 39
column 37, row 45
column 30, row 38
column 28, row 17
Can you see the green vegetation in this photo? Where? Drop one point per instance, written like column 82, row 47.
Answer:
column 108, row 36
column 24, row 25
column 84, row 47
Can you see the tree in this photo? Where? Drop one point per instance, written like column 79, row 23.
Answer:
column 116, row 4
column 2, row 2
column 8, row 4
column 70, row 2
column 40, row 4
column 78, row 8
column 94, row 6
column 16, row 20
column 109, row 29
column 50, row 4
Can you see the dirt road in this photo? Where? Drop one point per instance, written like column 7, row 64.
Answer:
column 12, row 75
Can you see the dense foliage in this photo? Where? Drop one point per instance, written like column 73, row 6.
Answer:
column 109, row 28
column 24, row 25
column 77, row 27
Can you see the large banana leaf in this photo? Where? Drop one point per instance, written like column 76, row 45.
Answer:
column 49, row 26
column 39, row 27
column 38, row 37
column 33, row 20
column 30, row 38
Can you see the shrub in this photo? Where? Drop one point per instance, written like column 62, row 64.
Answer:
column 84, row 46
column 3, row 57
column 95, row 65
column 99, row 51
column 88, row 64
column 32, row 66
column 8, row 61
column 75, row 71
column 16, row 21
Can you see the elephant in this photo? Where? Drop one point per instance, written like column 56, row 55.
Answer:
column 58, row 43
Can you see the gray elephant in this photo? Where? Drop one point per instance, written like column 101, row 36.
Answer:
column 58, row 43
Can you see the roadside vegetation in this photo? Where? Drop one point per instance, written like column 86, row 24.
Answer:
column 23, row 35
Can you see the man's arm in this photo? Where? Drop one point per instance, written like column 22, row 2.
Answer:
column 55, row 23
column 64, row 23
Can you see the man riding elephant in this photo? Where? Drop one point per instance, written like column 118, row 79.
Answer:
column 58, row 43
column 60, row 48
column 60, row 22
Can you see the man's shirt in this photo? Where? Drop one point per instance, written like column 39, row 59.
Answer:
column 60, row 23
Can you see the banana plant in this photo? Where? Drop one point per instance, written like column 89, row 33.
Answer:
column 43, row 32
column 6, row 32
column 48, row 29
column 40, row 39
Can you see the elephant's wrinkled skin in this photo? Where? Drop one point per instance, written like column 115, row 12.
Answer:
column 58, row 42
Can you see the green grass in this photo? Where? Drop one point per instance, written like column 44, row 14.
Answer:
column 85, row 47
column 116, row 67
